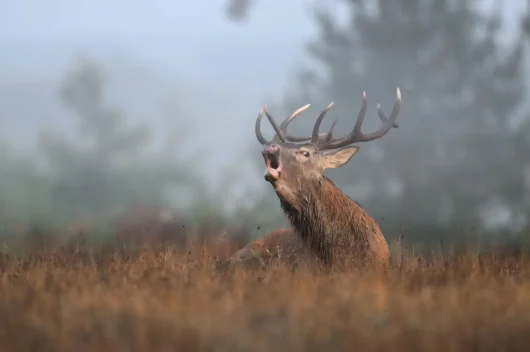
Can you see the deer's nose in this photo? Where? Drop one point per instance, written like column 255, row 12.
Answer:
column 271, row 149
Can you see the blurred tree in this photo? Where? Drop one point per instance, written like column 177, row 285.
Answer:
column 525, row 20
column 107, row 167
column 237, row 10
column 455, row 153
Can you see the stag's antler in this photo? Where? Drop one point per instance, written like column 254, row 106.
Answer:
column 281, row 131
column 327, row 141
column 356, row 135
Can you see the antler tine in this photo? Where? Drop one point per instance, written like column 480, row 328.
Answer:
column 297, row 112
column 340, row 142
column 329, row 135
column 360, row 117
column 383, row 117
column 357, row 136
column 315, row 136
column 288, row 120
column 257, row 128
column 279, row 132
column 386, row 127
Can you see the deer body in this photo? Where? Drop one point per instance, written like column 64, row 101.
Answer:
column 334, row 227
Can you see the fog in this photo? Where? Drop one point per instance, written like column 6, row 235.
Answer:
column 197, row 78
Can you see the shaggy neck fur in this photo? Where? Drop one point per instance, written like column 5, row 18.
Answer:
column 332, row 225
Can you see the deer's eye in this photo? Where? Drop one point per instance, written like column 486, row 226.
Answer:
column 305, row 153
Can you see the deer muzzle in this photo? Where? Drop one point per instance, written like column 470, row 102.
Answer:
column 271, row 155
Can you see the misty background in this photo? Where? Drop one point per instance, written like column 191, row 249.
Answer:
column 136, row 110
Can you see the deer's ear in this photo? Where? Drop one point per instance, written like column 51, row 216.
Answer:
column 336, row 158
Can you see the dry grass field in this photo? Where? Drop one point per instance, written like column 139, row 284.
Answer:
column 160, row 300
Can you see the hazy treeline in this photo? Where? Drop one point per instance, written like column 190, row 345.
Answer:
column 458, row 163
column 109, row 176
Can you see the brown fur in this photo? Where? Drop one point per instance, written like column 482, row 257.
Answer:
column 280, row 244
column 334, row 226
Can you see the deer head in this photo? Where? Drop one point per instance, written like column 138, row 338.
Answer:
column 295, row 163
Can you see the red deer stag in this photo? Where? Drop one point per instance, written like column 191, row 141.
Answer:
column 333, row 226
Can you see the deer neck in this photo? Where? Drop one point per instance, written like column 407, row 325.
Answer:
column 321, row 208
column 327, row 220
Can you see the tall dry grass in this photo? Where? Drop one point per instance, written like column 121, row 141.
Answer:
column 160, row 299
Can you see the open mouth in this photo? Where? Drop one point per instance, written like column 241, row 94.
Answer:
column 273, row 170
